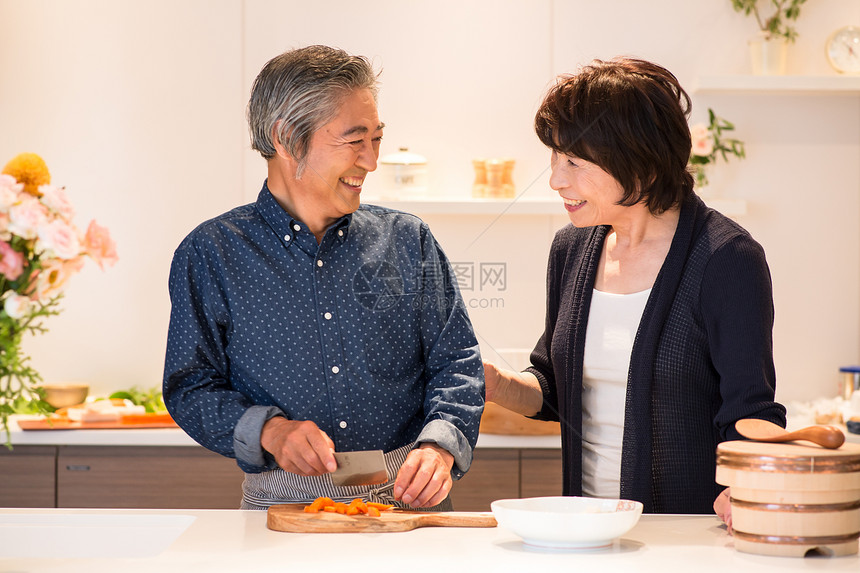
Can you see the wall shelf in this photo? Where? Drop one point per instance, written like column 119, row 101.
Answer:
column 497, row 207
column 470, row 206
column 787, row 84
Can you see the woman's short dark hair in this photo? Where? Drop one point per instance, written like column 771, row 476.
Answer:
column 298, row 92
column 629, row 117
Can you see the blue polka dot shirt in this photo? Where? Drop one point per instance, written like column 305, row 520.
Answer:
column 365, row 334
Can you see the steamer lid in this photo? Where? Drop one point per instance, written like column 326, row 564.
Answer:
column 788, row 457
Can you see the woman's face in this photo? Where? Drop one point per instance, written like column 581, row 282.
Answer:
column 590, row 194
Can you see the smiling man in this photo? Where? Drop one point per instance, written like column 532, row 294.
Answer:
column 306, row 323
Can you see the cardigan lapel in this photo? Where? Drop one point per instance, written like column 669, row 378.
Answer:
column 636, row 454
column 583, row 288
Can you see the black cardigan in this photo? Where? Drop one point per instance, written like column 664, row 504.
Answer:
column 702, row 357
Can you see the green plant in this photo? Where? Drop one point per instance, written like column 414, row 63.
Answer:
column 150, row 399
column 777, row 25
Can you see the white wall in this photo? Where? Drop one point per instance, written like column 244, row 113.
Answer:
column 139, row 110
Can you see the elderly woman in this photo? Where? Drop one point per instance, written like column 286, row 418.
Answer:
column 659, row 317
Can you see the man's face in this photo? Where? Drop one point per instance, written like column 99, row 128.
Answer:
column 341, row 154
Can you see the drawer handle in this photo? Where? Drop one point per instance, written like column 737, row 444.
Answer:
column 78, row 468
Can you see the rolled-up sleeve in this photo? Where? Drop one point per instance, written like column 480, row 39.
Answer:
column 454, row 398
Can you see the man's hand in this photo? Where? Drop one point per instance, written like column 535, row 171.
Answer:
column 723, row 508
column 299, row 447
column 424, row 479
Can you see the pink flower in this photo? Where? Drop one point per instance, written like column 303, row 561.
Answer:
column 11, row 262
column 5, row 235
column 703, row 143
column 58, row 239
column 26, row 217
column 17, row 306
column 54, row 275
column 55, row 199
column 99, row 245
column 9, row 191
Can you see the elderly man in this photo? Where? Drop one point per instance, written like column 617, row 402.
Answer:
column 306, row 323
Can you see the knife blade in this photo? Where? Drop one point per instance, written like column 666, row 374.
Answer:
column 359, row 468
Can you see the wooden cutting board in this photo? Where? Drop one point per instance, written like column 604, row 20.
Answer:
column 292, row 518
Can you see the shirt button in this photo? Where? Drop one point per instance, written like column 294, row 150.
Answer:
column 297, row 228
column 287, row 237
column 342, row 424
column 340, row 233
column 319, row 263
column 335, row 369
column 327, row 316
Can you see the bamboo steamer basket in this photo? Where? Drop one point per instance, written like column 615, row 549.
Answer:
column 790, row 499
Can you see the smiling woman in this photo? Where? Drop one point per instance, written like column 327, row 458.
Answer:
column 659, row 309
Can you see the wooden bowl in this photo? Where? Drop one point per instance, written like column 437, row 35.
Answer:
column 63, row 395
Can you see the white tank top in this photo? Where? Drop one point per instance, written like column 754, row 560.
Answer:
column 612, row 324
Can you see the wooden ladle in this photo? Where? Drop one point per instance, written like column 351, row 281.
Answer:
column 829, row 437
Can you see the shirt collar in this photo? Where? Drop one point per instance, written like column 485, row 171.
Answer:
column 285, row 225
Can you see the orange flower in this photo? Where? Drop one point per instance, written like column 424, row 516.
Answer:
column 29, row 169
column 99, row 245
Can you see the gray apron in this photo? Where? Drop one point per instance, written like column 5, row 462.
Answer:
column 277, row 486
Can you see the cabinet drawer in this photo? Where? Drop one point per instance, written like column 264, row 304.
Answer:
column 147, row 477
column 540, row 473
column 28, row 476
column 495, row 474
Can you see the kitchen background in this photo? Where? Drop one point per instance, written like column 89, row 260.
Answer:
column 138, row 109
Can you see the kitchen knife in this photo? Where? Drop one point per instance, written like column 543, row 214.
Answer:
column 359, row 468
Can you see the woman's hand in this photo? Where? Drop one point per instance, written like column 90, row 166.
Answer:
column 723, row 508
column 492, row 379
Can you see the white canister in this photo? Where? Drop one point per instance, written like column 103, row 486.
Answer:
column 403, row 174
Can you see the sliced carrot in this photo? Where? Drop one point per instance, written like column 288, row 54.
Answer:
column 358, row 504
column 379, row 506
column 322, row 502
column 356, row 507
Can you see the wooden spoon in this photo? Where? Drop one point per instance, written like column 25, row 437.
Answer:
column 829, row 437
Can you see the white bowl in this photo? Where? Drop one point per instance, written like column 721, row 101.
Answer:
column 567, row 522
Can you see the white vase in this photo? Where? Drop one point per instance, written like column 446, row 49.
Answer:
column 769, row 57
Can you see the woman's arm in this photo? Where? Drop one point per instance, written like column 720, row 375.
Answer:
column 516, row 391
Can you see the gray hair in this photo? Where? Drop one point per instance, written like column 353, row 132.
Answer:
column 303, row 90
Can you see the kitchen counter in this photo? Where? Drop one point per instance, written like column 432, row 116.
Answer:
column 177, row 437
column 231, row 540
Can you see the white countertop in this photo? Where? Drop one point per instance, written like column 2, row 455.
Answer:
column 177, row 437
column 232, row 541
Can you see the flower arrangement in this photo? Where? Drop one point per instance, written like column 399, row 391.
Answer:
column 40, row 249
column 709, row 145
column 775, row 26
